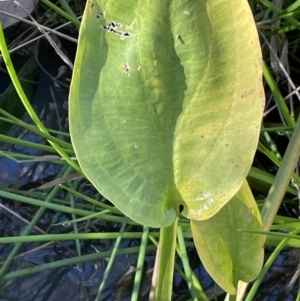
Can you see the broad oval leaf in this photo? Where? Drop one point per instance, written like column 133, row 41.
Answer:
column 227, row 254
column 165, row 105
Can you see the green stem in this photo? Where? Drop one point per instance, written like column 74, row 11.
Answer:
column 281, row 182
column 30, row 226
column 267, row 266
column 282, row 179
column 232, row 298
column 166, row 259
column 35, row 130
column 28, row 144
column 277, row 94
column 70, row 261
column 61, row 12
column 26, row 103
column 140, row 265
column 111, row 260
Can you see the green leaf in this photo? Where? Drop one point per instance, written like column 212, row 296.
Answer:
column 166, row 103
column 227, row 254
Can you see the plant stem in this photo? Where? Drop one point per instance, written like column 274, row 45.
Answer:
column 140, row 265
column 62, row 13
column 31, row 225
column 277, row 94
column 185, row 262
column 166, row 259
column 269, row 262
column 281, row 182
column 232, row 297
column 282, row 179
column 15, row 80
column 111, row 260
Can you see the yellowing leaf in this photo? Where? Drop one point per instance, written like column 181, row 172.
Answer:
column 227, row 254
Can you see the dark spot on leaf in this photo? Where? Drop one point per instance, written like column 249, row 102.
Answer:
column 113, row 27
column 181, row 39
column 247, row 93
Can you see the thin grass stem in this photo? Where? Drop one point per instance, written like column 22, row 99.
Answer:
column 267, row 266
column 32, row 224
column 111, row 260
column 36, row 131
column 185, row 262
column 26, row 103
column 71, row 261
column 140, row 264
